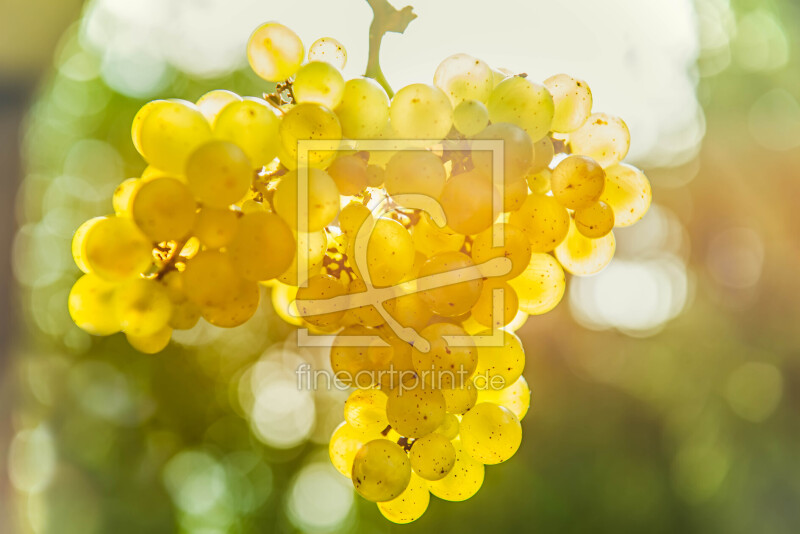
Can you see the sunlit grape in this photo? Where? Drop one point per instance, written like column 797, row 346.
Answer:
column 543, row 152
column 91, row 305
column 582, row 256
column 215, row 227
column 517, row 152
column 275, row 52
column 170, row 132
column 490, row 434
column 364, row 108
column 366, row 409
column 603, row 137
column 460, row 398
column 463, row 77
column 628, row 193
column 410, row 505
column 516, row 397
column 218, row 173
column 470, row 117
column 432, row 456
column 483, row 310
column 343, row 446
column 415, row 171
column 115, row 249
column 164, row 209
column 142, row 306
column 595, row 220
column 460, row 287
column 309, row 121
column 415, row 411
column 319, row 82
column 573, row 102
column 152, row 343
column 252, row 125
column 463, row 481
column 499, row 366
column 121, row 200
column 389, row 252
column 524, row 103
column 349, row 172
column 429, row 239
column 211, row 103
column 237, row 308
column 470, row 202
column 541, row 286
column 543, row 220
column 448, row 363
column 381, row 470
column 352, row 216
column 330, row 50
column 322, row 199
column 516, row 247
column 577, row 182
column 421, row 111
column 321, row 287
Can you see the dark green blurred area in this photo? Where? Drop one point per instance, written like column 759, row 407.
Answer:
column 691, row 429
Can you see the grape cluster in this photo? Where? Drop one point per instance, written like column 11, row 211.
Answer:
column 340, row 235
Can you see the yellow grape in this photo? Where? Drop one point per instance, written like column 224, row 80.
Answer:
column 421, row 111
column 498, row 75
column 275, row 52
column 219, row 174
column 210, row 278
column 364, row 109
column 429, row 239
column 164, row 209
column 309, row 121
column 410, row 311
column 375, row 175
column 595, row 220
column 211, row 103
column 499, row 366
column 252, row 125
column 604, row 138
column 470, row 202
column 483, row 310
column 449, row 427
column 582, row 256
column 215, row 227
column 460, row 289
column 541, row 286
column 345, row 442
column 321, row 287
column 151, row 344
column 366, row 409
column 463, row 77
column 170, row 132
column 316, row 245
column 539, row 183
column 318, row 82
column 544, row 221
column 142, row 306
column 263, row 247
column 121, row 200
column 415, row 171
column 573, row 102
column 352, row 217
column 516, row 397
column 432, row 456
column 628, row 193
column 517, row 152
column 470, row 117
column 389, row 252
column 350, row 174
column 282, row 298
column 184, row 315
column 415, row 411
column 524, row 103
column 410, row 505
column 239, row 306
column 516, row 247
column 91, row 305
column 79, row 242
column 577, row 182
column 322, row 200
column 490, row 434
column 381, row 470
column 463, row 481
column 115, row 249
column 330, row 50
column 458, row 400
column 445, row 365
column 543, row 152
column 357, row 366
column 514, row 195
column 367, row 314
column 138, row 121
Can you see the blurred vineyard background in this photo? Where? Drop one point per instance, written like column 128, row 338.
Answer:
column 666, row 389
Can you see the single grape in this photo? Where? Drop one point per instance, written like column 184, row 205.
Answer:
column 318, row 82
column 211, row 103
column 429, row 239
column 543, row 152
column 184, row 315
column 447, row 364
column 582, row 256
column 121, row 200
column 321, row 287
column 421, row 111
column 628, row 193
column 367, row 315
column 577, row 182
column 366, row 409
column 544, row 221
column 170, row 132
column 219, row 174
column 516, row 397
column 238, row 307
column 352, row 216
column 470, row 202
column 432, row 456
column 572, row 99
column 514, row 195
column 539, row 183
column 142, row 306
column 459, row 290
column 115, row 249
column 309, row 121
column 603, row 137
column 79, row 242
column 376, row 175
column 151, row 344
column 463, row 481
column 91, row 305
column 345, row 442
column 364, row 109
column 463, row 77
column 415, row 171
column 595, row 220
column 215, row 227
column 350, row 174
column 516, row 247
column 449, row 427
column 483, row 310
column 470, row 117
column 517, row 152
column 322, row 200
column 415, row 410
column 138, row 121
column 541, row 286
column 315, row 245
column 164, row 209
column 459, row 399
column 389, row 252
column 358, row 365
column 252, row 125
column 210, row 278
column 410, row 311
column 499, row 366
column 410, row 505
column 490, row 434
column 381, row 470
column 275, row 52
column 330, row 50
column 524, row 103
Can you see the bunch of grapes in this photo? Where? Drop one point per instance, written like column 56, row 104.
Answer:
column 419, row 232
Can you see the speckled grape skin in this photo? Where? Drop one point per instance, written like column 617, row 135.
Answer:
column 595, row 220
column 506, row 361
column 444, row 365
column 490, row 433
column 381, row 470
column 604, row 138
column 461, row 398
column 410, row 505
column 577, row 182
column 416, row 411
column 516, row 247
column 456, row 297
column 544, row 221
column 572, row 99
column 524, row 103
column 628, row 193
column 463, row 481
column 541, row 287
column 432, row 456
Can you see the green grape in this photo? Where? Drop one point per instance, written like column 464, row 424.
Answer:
column 211, row 103
column 153, row 343
column 628, row 193
column 352, row 365
column 490, row 434
column 429, row 239
column 210, row 278
column 573, row 102
column 142, row 306
column 121, row 200
column 366, row 409
column 463, row 77
column 521, row 102
column 239, row 306
column 164, row 209
column 352, row 216
column 483, row 310
column 79, row 242
column 170, row 132
column 603, row 137
column 459, row 290
column 539, row 183
column 91, row 305
column 541, row 286
column 349, row 172
column 514, row 195
column 330, row 50
column 543, row 152
column 445, row 365
column 432, row 456
column 595, row 220
column 321, row 287
column 219, row 174
column 516, row 247
column 115, row 249
column 470, row 117
column 544, row 221
column 498, row 75
column 516, row 397
column 470, row 202
column 309, row 121
column 184, row 315
column 381, row 470
column 517, row 152
column 316, row 245
column 318, row 82
column 389, row 252
column 375, row 175
column 459, row 399
column 410, row 505
column 364, row 109
column 275, row 52
column 421, row 111
column 138, row 121
column 367, row 315
column 410, row 311
column 582, row 256
column 345, row 442
column 449, row 427
column 215, row 227
column 577, row 182
column 322, row 200
column 500, row 366
column 415, row 171
column 415, row 410
column 251, row 124
column 463, row 481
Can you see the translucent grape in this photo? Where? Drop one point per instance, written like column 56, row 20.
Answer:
column 582, row 256
column 543, row 152
column 330, row 50
column 375, row 175
column 309, row 121
column 595, row 220
column 628, row 193
column 604, row 138
column 463, row 77
column 115, row 249
column 138, row 121
column 415, row 171
column 410, row 311
column 429, row 239
column 315, row 244
column 449, row 427
column 319, row 82
column 164, row 209
column 421, row 111
column 121, row 200
column 460, row 289
column 219, row 173
column 415, row 411
column 516, row 247
column 210, row 278
column 539, row 183
column 577, row 182
column 367, row 315
column 170, row 132
column 483, row 310
column 432, row 456
column 470, row 202
column 516, row 397
column 142, row 306
column 321, row 287
column 237, row 308
column 345, row 442
column 215, row 227
column 490, row 434
column 358, row 366
column 524, row 103
column 517, row 152
column 446, row 364
column 459, row 399
column 352, row 217
column 184, row 315
column 275, row 52
column 252, row 125
column 541, row 286
column 544, row 221
column 500, row 366
column 470, row 117
column 349, row 172
column 79, row 243
column 514, row 195
column 152, row 343
column 211, row 103
column 322, row 195
column 389, row 252
column 366, row 409
column 463, row 481
column 573, row 102
column 410, row 505
column 364, row 108
column 381, row 470
column 91, row 305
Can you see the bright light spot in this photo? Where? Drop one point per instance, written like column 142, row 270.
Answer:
column 135, row 71
column 32, row 460
column 101, row 390
column 760, row 43
column 195, row 481
column 775, row 120
column 735, row 257
column 754, row 391
column 283, row 415
column 320, row 499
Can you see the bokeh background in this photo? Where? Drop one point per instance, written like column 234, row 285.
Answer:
column 666, row 389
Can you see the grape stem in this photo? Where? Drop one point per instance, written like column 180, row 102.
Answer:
column 385, row 18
